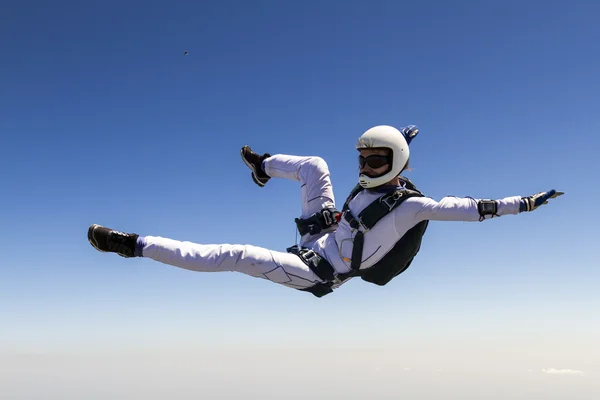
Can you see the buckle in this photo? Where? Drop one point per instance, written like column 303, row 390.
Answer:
column 310, row 256
column 328, row 217
column 394, row 199
column 336, row 280
column 324, row 271
column 365, row 228
column 353, row 222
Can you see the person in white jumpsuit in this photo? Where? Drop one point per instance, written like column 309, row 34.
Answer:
column 383, row 155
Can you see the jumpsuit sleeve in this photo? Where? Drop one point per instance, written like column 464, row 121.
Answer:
column 451, row 208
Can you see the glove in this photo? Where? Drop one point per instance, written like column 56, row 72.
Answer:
column 532, row 202
column 410, row 132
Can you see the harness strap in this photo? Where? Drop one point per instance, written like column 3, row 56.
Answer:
column 318, row 221
column 330, row 216
column 367, row 219
column 320, row 266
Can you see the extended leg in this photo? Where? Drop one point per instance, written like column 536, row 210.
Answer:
column 283, row 268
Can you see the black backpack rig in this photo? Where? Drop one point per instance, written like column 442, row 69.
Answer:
column 396, row 261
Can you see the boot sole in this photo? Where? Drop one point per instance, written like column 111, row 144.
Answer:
column 251, row 166
column 91, row 237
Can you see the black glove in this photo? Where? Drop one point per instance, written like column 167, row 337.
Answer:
column 409, row 133
column 532, row 202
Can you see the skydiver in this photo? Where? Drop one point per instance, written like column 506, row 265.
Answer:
column 375, row 236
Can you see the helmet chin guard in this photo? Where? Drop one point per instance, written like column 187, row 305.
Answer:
column 388, row 137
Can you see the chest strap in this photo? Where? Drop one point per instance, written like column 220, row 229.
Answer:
column 367, row 220
column 328, row 217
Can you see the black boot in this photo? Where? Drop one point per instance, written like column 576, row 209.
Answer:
column 254, row 162
column 111, row 241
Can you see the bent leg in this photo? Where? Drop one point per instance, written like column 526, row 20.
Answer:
column 283, row 268
column 315, row 182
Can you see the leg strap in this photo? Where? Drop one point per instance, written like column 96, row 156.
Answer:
column 319, row 221
column 319, row 266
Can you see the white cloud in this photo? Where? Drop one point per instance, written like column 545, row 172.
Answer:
column 555, row 371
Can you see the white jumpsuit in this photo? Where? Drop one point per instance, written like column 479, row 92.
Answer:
column 335, row 245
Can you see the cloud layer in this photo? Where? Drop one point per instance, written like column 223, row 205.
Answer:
column 554, row 371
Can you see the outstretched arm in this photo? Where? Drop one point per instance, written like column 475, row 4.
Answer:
column 468, row 209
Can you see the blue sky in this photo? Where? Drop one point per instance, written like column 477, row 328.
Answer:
column 104, row 120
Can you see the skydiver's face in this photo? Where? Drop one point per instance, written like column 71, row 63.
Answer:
column 373, row 162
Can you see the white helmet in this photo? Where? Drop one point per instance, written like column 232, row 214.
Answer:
column 384, row 136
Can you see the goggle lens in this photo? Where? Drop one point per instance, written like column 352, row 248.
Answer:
column 374, row 161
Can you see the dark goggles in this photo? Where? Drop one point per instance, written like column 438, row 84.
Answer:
column 374, row 161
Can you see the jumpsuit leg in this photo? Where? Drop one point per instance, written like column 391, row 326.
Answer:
column 315, row 184
column 280, row 267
